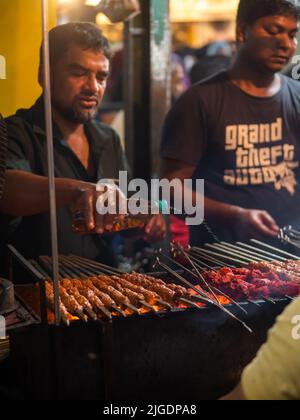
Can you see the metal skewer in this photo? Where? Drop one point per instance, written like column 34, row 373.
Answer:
column 180, row 248
column 261, row 251
column 206, row 252
column 105, row 269
column 212, row 289
column 225, row 252
column 255, row 256
column 206, row 299
column 89, row 271
column 255, row 241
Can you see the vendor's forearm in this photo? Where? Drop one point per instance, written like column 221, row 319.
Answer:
column 27, row 194
column 217, row 212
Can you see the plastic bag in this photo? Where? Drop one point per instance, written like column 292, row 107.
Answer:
column 120, row 10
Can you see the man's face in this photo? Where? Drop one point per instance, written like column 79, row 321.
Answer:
column 271, row 42
column 78, row 82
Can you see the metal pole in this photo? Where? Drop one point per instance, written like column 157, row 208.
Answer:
column 51, row 176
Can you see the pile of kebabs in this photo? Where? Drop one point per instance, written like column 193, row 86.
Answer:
column 126, row 294
column 258, row 280
column 106, row 296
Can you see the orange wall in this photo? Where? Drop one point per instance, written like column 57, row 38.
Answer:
column 20, row 39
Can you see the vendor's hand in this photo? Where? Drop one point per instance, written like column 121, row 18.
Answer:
column 87, row 213
column 254, row 223
column 156, row 230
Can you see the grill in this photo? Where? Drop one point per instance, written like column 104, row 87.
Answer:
column 192, row 349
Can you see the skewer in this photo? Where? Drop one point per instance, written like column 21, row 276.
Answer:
column 165, row 304
column 81, row 315
column 47, row 267
column 188, row 302
column 210, row 256
column 80, row 266
column 231, row 254
column 105, row 312
column 206, row 299
column 291, row 298
column 132, row 308
column 270, row 300
column 74, row 271
column 255, row 256
column 197, row 271
column 94, row 264
column 40, row 269
column 210, row 288
column 255, row 241
column 91, row 313
column 115, row 308
column 206, row 266
column 81, row 272
column 253, row 302
column 66, row 273
column 148, row 306
column 261, row 251
column 197, row 253
column 65, row 320
column 225, row 295
column 165, row 267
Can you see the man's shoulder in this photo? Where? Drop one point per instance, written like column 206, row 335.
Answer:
column 22, row 117
column 292, row 84
column 216, row 81
column 207, row 90
column 103, row 129
column 104, row 134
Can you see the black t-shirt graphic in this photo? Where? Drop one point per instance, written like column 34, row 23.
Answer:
column 247, row 149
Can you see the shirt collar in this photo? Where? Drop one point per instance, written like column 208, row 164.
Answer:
column 39, row 127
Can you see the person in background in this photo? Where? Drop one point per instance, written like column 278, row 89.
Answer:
column 85, row 151
column 218, row 58
column 179, row 232
column 275, row 373
column 239, row 130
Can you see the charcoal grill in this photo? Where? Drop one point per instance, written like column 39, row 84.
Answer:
column 189, row 354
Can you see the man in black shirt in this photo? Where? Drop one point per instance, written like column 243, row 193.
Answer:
column 85, row 151
column 239, row 130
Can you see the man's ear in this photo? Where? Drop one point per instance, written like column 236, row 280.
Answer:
column 41, row 76
column 241, row 32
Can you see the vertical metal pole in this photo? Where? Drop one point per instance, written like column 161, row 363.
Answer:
column 128, row 91
column 147, row 84
column 51, row 175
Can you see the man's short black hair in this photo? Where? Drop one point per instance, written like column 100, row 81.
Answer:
column 84, row 34
column 250, row 11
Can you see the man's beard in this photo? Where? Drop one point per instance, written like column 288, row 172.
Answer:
column 75, row 115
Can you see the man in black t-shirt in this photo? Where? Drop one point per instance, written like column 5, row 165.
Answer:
column 85, row 151
column 240, row 130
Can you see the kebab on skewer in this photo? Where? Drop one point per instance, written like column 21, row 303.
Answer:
column 50, row 302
